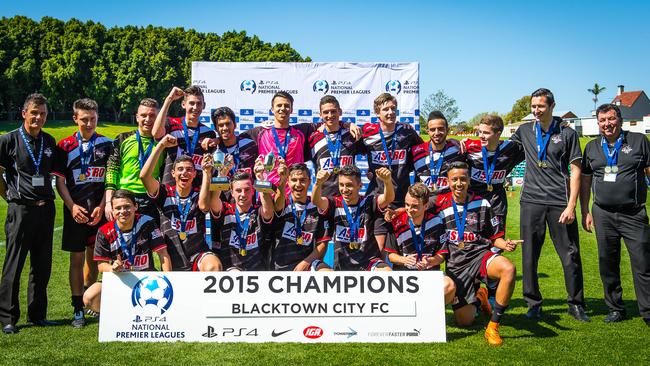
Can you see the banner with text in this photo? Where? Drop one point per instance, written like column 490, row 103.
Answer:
column 273, row 307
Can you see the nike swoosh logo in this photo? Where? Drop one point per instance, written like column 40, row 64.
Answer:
column 274, row 334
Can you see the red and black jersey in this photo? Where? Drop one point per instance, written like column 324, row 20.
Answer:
column 323, row 159
column 481, row 229
column 181, row 251
column 286, row 252
column 87, row 192
column 402, row 160
column 174, row 127
column 228, row 246
column 244, row 153
column 404, row 245
column 424, row 156
column 354, row 259
column 148, row 239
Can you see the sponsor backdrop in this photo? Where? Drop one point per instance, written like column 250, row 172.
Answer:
column 273, row 307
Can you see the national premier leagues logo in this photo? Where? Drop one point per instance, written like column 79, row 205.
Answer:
column 321, row 86
column 248, row 86
column 394, row 87
column 154, row 294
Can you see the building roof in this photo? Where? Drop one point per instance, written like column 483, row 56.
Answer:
column 627, row 98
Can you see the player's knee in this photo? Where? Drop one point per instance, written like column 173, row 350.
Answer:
column 464, row 321
column 508, row 271
column 450, row 287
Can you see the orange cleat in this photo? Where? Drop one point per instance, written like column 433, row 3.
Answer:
column 492, row 334
column 482, row 296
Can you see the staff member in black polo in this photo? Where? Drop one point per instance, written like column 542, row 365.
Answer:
column 27, row 156
column 549, row 197
column 615, row 166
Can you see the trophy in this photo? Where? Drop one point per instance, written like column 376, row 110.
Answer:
column 219, row 183
column 264, row 185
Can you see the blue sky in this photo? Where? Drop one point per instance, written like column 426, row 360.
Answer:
column 486, row 54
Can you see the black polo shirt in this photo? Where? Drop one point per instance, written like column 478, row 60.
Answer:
column 20, row 169
column 548, row 186
column 629, row 189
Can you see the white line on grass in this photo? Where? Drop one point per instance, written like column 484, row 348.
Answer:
column 2, row 243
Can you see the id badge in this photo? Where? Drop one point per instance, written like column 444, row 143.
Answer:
column 609, row 177
column 38, row 181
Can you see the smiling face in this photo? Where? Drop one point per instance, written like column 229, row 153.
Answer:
column 34, row 116
column 437, row 130
column 282, row 109
column 299, row 182
column 458, row 183
column 146, row 116
column 330, row 114
column 415, row 208
column 349, row 186
column 488, row 136
column 226, row 129
column 388, row 113
column 124, row 211
column 86, row 120
column 242, row 193
column 541, row 109
column 609, row 124
column 193, row 106
column 184, row 173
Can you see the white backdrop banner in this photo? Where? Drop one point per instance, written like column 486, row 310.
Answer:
column 247, row 88
column 273, row 307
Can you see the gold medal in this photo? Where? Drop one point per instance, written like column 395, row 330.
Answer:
column 490, row 188
column 182, row 235
column 354, row 245
column 614, row 169
column 82, row 177
column 461, row 244
column 544, row 164
column 299, row 240
column 242, row 252
column 335, row 170
column 434, row 186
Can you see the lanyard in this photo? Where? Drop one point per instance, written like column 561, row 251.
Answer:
column 389, row 154
column 142, row 154
column 353, row 221
column 435, row 168
column 242, row 229
column 298, row 221
column 189, row 148
column 183, row 210
column 612, row 155
column 489, row 168
column 334, row 147
column 418, row 240
column 542, row 142
column 37, row 163
column 127, row 248
column 282, row 148
column 460, row 222
column 85, row 157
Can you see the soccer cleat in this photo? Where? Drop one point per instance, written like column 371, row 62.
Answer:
column 534, row 313
column 492, row 334
column 482, row 297
column 79, row 321
column 92, row 313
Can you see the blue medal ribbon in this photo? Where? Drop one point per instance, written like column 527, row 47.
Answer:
column 242, row 228
column 189, row 148
column 542, row 142
column 298, row 221
column 282, row 148
column 183, row 210
column 85, row 156
column 418, row 240
column 389, row 154
column 353, row 220
column 142, row 154
column 460, row 222
column 37, row 163
column 127, row 248
column 489, row 167
column 435, row 167
column 334, row 147
column 612, row 155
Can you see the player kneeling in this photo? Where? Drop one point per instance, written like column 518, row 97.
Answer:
column 126, row 243
column 471, row 229
column 353, row 217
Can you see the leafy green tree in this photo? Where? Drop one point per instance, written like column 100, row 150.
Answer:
column 439, row 101
column 597, row 89
column 520, row 109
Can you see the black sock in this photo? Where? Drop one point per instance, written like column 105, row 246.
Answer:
column 492, row 292
column 497, row 312
column 77, row 303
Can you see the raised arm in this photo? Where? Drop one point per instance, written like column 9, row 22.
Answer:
column 280, row 193
column 204, row 193
column 158, row 130
column 150, row 183
column 267, row 211
column 321, row 202
column 388, row 196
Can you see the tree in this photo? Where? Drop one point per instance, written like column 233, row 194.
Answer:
column 477, row 118
column 597, row 89
column 519, row 110
column 439, row 101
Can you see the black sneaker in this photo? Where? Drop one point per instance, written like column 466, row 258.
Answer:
column 79, row 321
column 578, row 313
column 534, row 313
column 615, row 316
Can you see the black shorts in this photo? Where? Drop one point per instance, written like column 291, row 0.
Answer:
column 76, row 237
column 469, row 278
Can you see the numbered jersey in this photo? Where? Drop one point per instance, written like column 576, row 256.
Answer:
column 322, row 157
column 148, row 239
column 423, row 156
column 287, row 251
column 174, row 127
column 404, row 245
column 86, row 190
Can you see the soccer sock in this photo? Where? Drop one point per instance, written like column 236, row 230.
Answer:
column 77, row 303
column 497, row 312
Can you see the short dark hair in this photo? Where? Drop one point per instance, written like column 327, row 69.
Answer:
column 223, row 112
column 383, row 98
column 492, row 120
column 438, row 115
column 149, row 102
column 123, row 193
column 302, row 167
column 419, row 191
column 329, row 99
column 604, row 108
column 193, row 90
column 183, row 159
column 240, row 175
column 458, row 165
column 543, row 92
column 85, row 104
column 282, row 94
column 36, row 99
column 350, row 171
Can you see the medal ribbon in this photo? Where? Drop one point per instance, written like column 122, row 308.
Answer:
column 489, row 168
column 242, row 229
column 189, row 148
column 142, row 154
column 298, row 221
column 353, row 221
column 37, row 163
column 183, row 210
column 612, row 155
column 418, row 240
column 85, row 157
column 542, row 142
column 460, row 222
column 127, row 248
column 435, row 168
column 389, row 154
column 334, row 147
column 282, row 148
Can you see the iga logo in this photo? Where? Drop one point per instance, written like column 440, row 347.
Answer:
column 248, row 86
column 394, row 86
column 312, row 332
column 154, row 294
column 321, row 86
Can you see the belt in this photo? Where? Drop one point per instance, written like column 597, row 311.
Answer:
column 24, row 202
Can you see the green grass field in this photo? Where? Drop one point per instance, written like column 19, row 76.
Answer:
column 557, row 339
